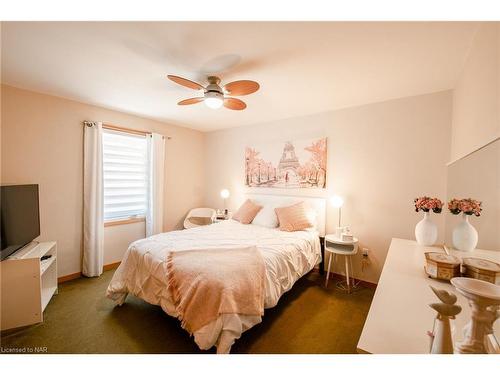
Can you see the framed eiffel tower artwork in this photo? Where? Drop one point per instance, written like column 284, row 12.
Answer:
column 287, row 165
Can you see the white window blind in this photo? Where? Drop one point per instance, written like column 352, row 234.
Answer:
column 126, row 175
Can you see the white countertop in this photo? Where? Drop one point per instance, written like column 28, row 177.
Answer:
column 399, row 315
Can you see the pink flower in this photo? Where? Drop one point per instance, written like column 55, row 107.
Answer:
column 468, row 206
column 426, row 204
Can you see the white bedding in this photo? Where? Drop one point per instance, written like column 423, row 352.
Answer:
column 287, row 257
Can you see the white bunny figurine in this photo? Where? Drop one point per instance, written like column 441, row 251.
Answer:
column 442, row 342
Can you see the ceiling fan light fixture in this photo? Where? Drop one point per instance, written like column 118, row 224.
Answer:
column 214, row 100
column 214, row 95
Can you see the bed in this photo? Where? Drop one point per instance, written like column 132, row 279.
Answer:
column 287, row 257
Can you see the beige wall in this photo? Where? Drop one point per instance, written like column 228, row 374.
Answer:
column 42, row 142
column 117, row 239
column 476, row 98
column 380, row 156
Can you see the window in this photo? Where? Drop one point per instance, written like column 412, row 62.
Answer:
column 126, row 175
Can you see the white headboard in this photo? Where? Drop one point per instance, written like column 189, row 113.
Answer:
column 317, row 204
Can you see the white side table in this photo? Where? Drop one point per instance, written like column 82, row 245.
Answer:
column 335, row 246
column 222, row 217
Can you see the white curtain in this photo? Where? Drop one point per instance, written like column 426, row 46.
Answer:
column 154, row 218
column 93, row 197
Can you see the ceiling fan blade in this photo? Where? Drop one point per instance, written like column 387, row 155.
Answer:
column 234, row 104
column 243, row 87
column 185, row 82
column 190, row 101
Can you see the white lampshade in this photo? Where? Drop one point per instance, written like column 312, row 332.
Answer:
column 224, row 193
column 336, row 201
column 213, row 103
column 214, row 100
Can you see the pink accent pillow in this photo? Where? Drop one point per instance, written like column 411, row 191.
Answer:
column 247, row 212
column 293, row 218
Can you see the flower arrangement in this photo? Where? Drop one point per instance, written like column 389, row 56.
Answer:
column 427, row 203
column 468, row 206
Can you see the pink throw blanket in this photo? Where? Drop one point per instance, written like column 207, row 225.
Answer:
column 207, row 283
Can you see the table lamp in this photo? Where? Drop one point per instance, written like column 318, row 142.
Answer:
column 337, row 202
column 224, row 194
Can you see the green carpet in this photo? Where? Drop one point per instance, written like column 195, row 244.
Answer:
column 80, row 319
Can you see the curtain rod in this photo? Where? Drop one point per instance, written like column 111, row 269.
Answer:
column 119, row 128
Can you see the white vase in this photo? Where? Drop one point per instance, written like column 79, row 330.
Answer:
column 464, row 235
column 426, row 231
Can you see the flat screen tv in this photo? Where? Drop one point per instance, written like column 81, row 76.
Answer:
column 19, row 217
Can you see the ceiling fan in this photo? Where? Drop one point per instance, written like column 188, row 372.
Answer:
column 216, row 96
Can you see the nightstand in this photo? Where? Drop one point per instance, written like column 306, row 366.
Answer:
column 222, row 217
column 335, row 246
column 322, row 264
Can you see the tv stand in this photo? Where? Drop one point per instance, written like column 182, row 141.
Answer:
column 28, row 284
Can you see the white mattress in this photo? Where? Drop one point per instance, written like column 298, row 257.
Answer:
column 287, row 257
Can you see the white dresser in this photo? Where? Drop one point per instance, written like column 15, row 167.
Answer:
column 399, row 315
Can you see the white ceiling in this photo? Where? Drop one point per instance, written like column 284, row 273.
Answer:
column 302, row 67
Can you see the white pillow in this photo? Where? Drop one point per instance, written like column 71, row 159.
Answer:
column 266, row 216
column 312, row 215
